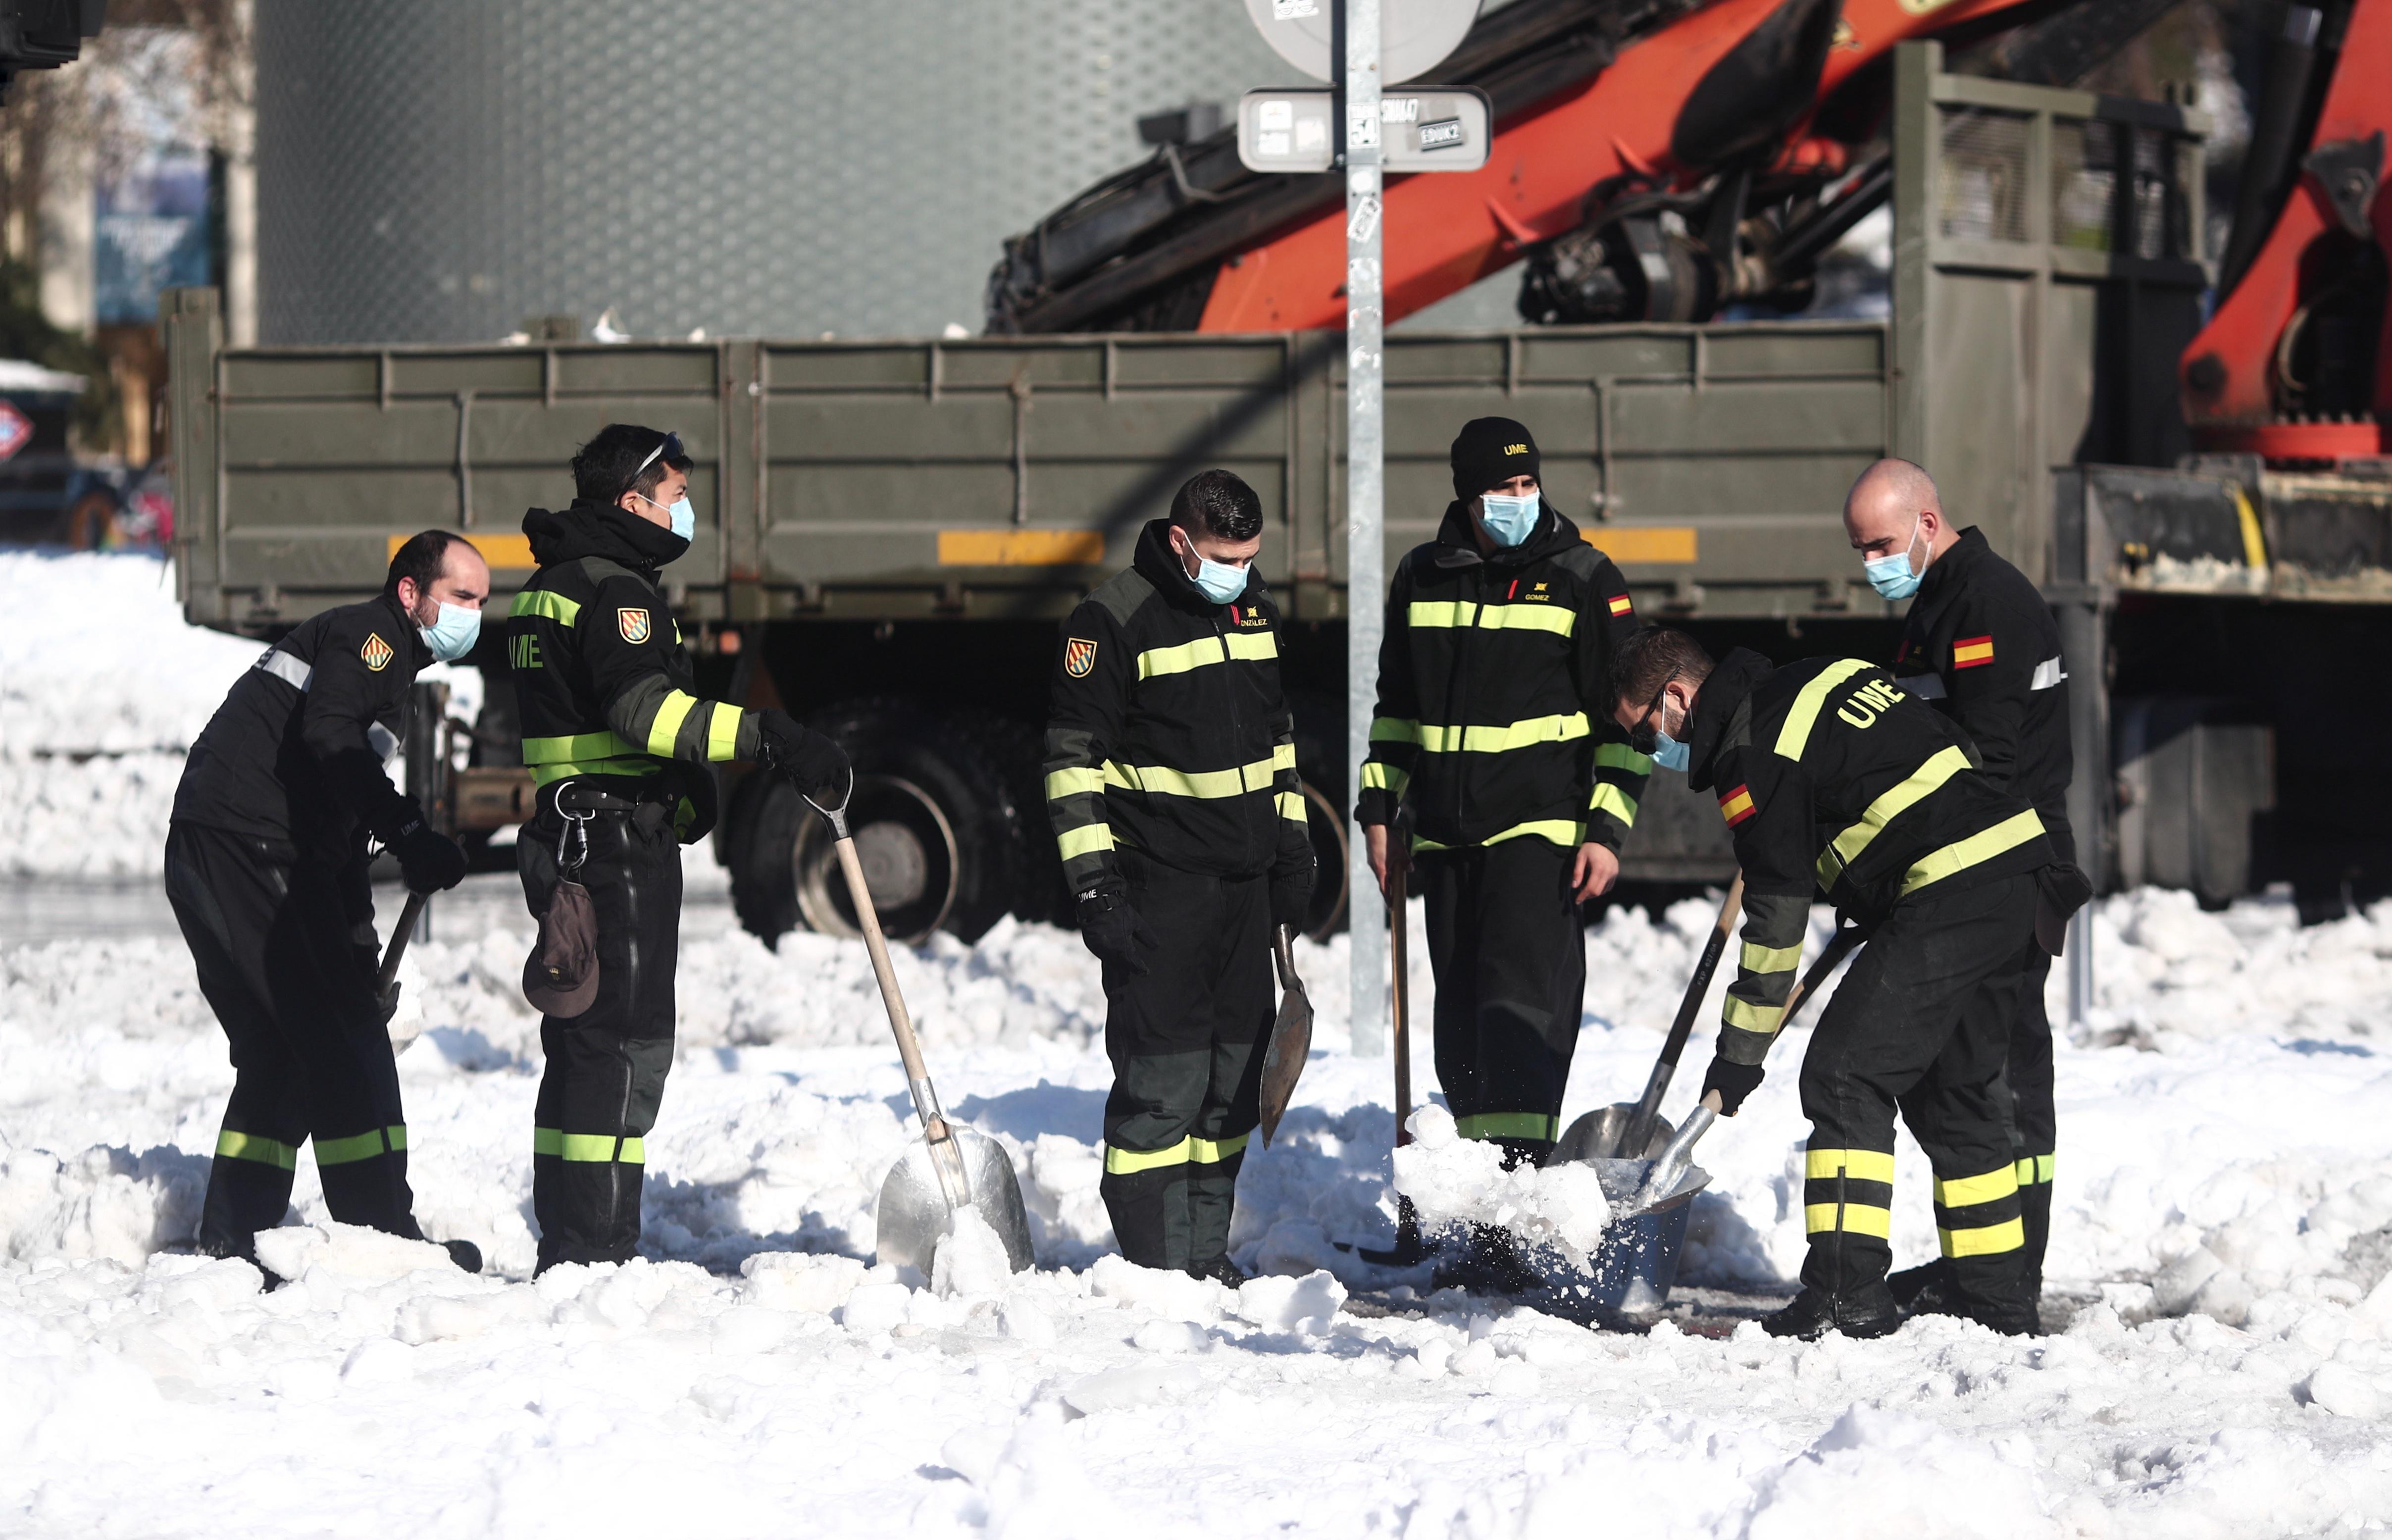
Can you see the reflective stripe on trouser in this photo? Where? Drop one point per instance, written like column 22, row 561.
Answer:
column 1977, row 1214
column 285, row 953
column 606, row 1068
column 1185, row 1039
column 1920, row 1024
column 1510, row 958
column 2034, row 1122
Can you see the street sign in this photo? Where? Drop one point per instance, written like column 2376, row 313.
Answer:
column 1415, row 36
column 1434, row 128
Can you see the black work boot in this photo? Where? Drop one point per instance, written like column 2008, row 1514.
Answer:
column 1923, row 1290
column 1221, row 1271
column 465, row 1254
column 1867, row 1311
column 1491, row 1263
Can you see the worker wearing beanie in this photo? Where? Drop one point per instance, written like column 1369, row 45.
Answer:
column 1492, row 730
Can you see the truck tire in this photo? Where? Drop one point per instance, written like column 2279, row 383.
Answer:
column 1016, row 748
column 935, row 823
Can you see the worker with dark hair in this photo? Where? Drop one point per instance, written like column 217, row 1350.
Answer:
column 1493, row 728
column 1980, row 644
column 1836, row 781
column 267, row 870
column 1171, row 779
column 618, row 744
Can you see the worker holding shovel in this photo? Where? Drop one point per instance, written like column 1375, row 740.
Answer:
column 1833, row 781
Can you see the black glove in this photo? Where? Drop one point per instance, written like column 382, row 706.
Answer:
column 1111, row 929
column 1732, row 1081
column 1291, row 895
column 802, row 757
column 430, row 860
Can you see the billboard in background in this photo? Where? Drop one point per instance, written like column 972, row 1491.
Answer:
column 154, row 230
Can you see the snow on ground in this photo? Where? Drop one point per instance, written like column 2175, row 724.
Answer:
column 2225, row 1185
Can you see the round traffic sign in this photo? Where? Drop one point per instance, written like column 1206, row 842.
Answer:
column 1415, row 36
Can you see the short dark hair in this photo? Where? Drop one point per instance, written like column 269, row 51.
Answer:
column 1651, row 659
column 423, row 557
column 1227, row 507
column 616, row 461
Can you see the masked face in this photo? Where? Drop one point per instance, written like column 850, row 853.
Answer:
column 1651, row 735
column 1892, row 574
column 1219, row 581
column 680, row 519
column 452, row 633
column 1508, row 520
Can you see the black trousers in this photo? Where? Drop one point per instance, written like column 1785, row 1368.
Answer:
column 604, row 1076
column 2034, row 1123
column 286, row 956
column 1509, row 953
column 1185, row 1039
column 1922, row 1023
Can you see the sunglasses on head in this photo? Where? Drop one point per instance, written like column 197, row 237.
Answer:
column 668, row 450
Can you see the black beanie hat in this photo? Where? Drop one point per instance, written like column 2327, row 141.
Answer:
column 1490, row 451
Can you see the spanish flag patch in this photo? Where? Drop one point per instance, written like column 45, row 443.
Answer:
column 1619, row 604
column 1735, row 806
column 1971, row 652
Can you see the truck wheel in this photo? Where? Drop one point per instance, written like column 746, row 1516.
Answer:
column 1327, row 825
column 933, row 826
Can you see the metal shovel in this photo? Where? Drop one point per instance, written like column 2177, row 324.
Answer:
column 386, row 981
column 953, row 1168
column 1291, row 1035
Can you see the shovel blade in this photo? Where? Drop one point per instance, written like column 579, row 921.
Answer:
column 914, row 1214
column 1601, row 1135
column 1291, row 1045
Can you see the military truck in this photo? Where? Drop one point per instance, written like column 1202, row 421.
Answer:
column 888, row 531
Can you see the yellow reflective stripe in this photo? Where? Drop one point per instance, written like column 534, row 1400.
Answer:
column 1846, row 847
column 539, row 602
column 1991, row 1186
column 1796, row 733
column 1191, row 1151
column 1253, row 647
column 232, row 1144
column 1075, row 778
column 595, row 1147
column 1860, row 1219
column 1284, row 757
column 549, row 750
column 1985, row 1240
column 1738, row 1012
column 1561, row 831
column 1509, row 1124
column 1961, row 854
column 1291, row 806
column 1757, row 959
column 1241, row 646
column 1502, row 739
column 363, row 1146
column 1619, row 756
column 1085, row 839
column 722, row 732
column 1394, row 729
column 1379, row 775
column 670, row 714
column 2034, row 1168
column 1207, row 784
column 1610, row 799
column 543, row 774
column 1431, row 616
column 1859, row 1164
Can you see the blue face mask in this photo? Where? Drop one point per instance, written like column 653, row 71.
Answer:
column 1669, row 753
column 454, row 635
column 1891, row 576
column 1217, row 580
column 1509, row 520
column 682, row 518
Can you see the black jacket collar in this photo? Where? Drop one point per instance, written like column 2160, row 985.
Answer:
column 418, row 650
column 599, row 529
column 1726, row 697
column 1952, row 569
column 1457, row 545
column 1160, row 565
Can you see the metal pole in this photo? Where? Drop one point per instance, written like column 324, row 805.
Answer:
column 1365, row 489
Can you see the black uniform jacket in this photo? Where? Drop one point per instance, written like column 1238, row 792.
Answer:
column 602, row 680
column 295, row 754
column 1835, row 780
column 1491, row 721
column 1168, row 732
column 1981, row 643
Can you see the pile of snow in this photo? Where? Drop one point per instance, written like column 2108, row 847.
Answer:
column 1455, row 1181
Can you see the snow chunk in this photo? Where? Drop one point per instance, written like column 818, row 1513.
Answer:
column 348, row 1250
column 1451, row 1180
column 1302, row 1305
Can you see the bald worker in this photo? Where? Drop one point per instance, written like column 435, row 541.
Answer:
column 1980, row 644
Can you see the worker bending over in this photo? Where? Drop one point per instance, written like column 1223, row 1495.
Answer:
column 1494, row 729
column 1834, row 781
column 1171, row 779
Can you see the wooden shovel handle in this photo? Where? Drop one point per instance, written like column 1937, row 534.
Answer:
column 900, row 1020
column 398, row 939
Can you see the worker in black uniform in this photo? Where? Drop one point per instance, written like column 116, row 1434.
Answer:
column 1981, row 645
column 618, row 744
column 1834, row 781
column 267, row 870
column 1171, row 779
column 1494, row 729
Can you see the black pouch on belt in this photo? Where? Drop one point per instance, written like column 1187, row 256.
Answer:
column 560, row 976
column 2060, row 889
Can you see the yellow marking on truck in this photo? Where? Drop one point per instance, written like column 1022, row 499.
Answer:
column 506, row 553
column 1022, row 547
column 1649, row 542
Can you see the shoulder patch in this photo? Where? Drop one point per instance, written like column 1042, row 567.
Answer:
column 1618, row 605
column 1735, row 805
column 377, row 653
column 1972, row 652
column 633, row 623
column 1079, row 657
